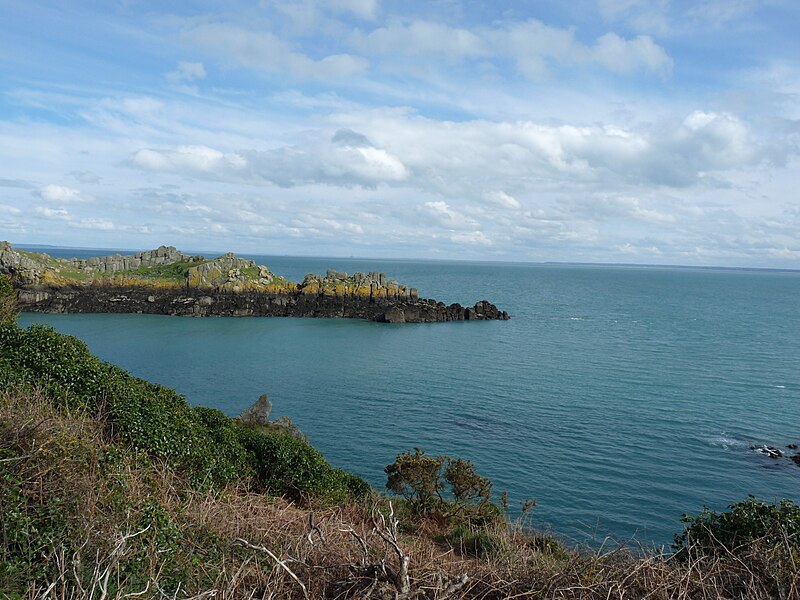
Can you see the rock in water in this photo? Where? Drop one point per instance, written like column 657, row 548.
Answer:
column 258, row 413
column 770, row 451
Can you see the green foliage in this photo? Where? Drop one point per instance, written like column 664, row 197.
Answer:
column 465, row 482
column 417, row 477
column 202, row 443
column 475, row 541
column 60, row 364
column 450, row 486
column 29, row 531
column 288, row 466
column 176, row 271
column 746, row 523
column 8, row 302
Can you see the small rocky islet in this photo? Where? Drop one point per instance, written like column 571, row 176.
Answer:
column 167, row 281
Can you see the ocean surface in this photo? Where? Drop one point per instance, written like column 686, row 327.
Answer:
column 618, row 397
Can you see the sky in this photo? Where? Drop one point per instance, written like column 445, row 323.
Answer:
column 652, row 132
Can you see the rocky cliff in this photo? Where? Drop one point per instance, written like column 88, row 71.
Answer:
column 166, row 281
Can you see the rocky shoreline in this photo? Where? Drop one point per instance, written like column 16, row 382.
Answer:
column 167, row 282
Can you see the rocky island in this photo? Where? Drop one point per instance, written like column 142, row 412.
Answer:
column 167, row 281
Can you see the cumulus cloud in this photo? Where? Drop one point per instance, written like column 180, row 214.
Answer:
column 265, row 51
column 186, row 72
column 346, row 159
column 60, row 194
column 189, row 159
column 478, row 159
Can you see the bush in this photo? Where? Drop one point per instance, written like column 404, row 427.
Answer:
column 8, row 302
column 417, row 477
column 745, row 524
column 201, row 443
column 288, row 466
column 423, row 480
column 473, row 541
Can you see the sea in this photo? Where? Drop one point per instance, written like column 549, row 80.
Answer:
column 619, row 397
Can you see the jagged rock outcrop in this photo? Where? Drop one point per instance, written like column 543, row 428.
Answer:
column 258, row 415
column 163, row 255
column 166, row 281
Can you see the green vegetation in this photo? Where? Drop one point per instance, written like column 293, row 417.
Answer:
column 176, row 271
column 8, row 301
column 449, row 487
column 747, row 523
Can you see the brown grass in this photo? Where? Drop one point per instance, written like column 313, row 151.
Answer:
column 269, row 548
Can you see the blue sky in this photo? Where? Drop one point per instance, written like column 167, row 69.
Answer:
column 606, row 131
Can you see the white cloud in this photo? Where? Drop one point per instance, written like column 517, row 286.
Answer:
column 60, row 194
column 535, row 46
column 200, row 159
column 422, row 38
column 94, row 223
column 265, row 51
column 500, row 198
column 626, row 56
column 476, row 159
column 363, row 9
column 61, row 214
column 5, row 209
column 472, row 238
column 186, row 72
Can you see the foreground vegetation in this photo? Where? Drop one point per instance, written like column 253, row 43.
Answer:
column 112, row 487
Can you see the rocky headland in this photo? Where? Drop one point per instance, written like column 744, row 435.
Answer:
column 167, row 281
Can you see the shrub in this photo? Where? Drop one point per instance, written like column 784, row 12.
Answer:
column 149, row 417
column 8, row 302
column 745, row 524
column 474, row 541
column 417, row 477
column 288, row 466
column 423, row 481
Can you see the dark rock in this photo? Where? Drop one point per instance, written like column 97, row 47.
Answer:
column 792, row 446
column 394, row 315
column 770, row 451
column 795, row 459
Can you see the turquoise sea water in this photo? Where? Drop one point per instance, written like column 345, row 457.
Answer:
column 619, row 397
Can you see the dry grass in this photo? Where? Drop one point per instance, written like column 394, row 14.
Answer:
column 238, row 544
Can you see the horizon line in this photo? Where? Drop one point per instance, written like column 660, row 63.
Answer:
column 456, row 260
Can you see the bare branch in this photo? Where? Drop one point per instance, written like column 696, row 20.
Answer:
column 281, row 563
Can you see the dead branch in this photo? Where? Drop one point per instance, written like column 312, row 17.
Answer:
column 280, row 563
